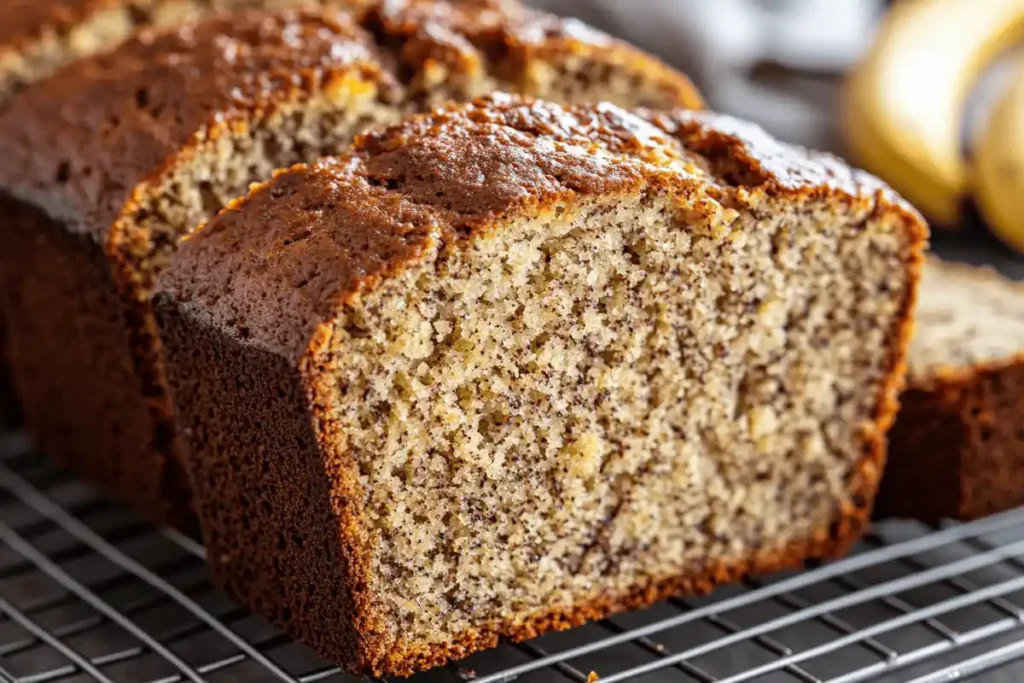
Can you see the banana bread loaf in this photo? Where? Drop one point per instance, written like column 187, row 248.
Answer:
column 106, row 165
column 957, row 449
column 510, row 366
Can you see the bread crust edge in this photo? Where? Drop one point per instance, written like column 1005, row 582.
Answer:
column 955, row 436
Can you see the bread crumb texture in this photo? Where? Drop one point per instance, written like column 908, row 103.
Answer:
column 560, row 361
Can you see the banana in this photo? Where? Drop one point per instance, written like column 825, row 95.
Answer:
column 905, row 102
column 999, row 166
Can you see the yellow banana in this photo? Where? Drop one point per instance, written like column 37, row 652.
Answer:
column 905, row 103
column 999, row 166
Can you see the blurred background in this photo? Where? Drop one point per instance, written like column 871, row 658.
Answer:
column 777, row 62
column 787, row 64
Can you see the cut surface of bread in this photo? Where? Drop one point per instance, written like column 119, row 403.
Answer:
column 107, row 164
column 957, row 450
column 511, row 366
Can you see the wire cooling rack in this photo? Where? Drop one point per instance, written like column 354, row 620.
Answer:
column 89, row 592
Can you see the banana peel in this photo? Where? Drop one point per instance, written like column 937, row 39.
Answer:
column 905, row 102
column 999, row 165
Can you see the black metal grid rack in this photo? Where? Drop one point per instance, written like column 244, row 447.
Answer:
column 88, row 592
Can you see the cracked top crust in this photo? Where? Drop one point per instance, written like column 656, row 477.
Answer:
column 277, row 263
column 102, row 125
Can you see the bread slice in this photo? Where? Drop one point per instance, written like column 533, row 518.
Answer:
column 511, row 366
column 39, row 37
column 957, row 450
column 106, row 166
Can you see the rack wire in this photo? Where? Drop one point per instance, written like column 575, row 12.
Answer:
column 90, row 592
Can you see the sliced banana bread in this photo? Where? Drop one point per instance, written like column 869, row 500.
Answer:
column 508, row 367
column 106, row 165
column 957, row 449
column 37, row 37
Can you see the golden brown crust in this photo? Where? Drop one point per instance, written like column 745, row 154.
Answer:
column 484, row 43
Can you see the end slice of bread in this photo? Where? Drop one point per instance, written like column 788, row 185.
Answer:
column 511, row 366
column 957, row 450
